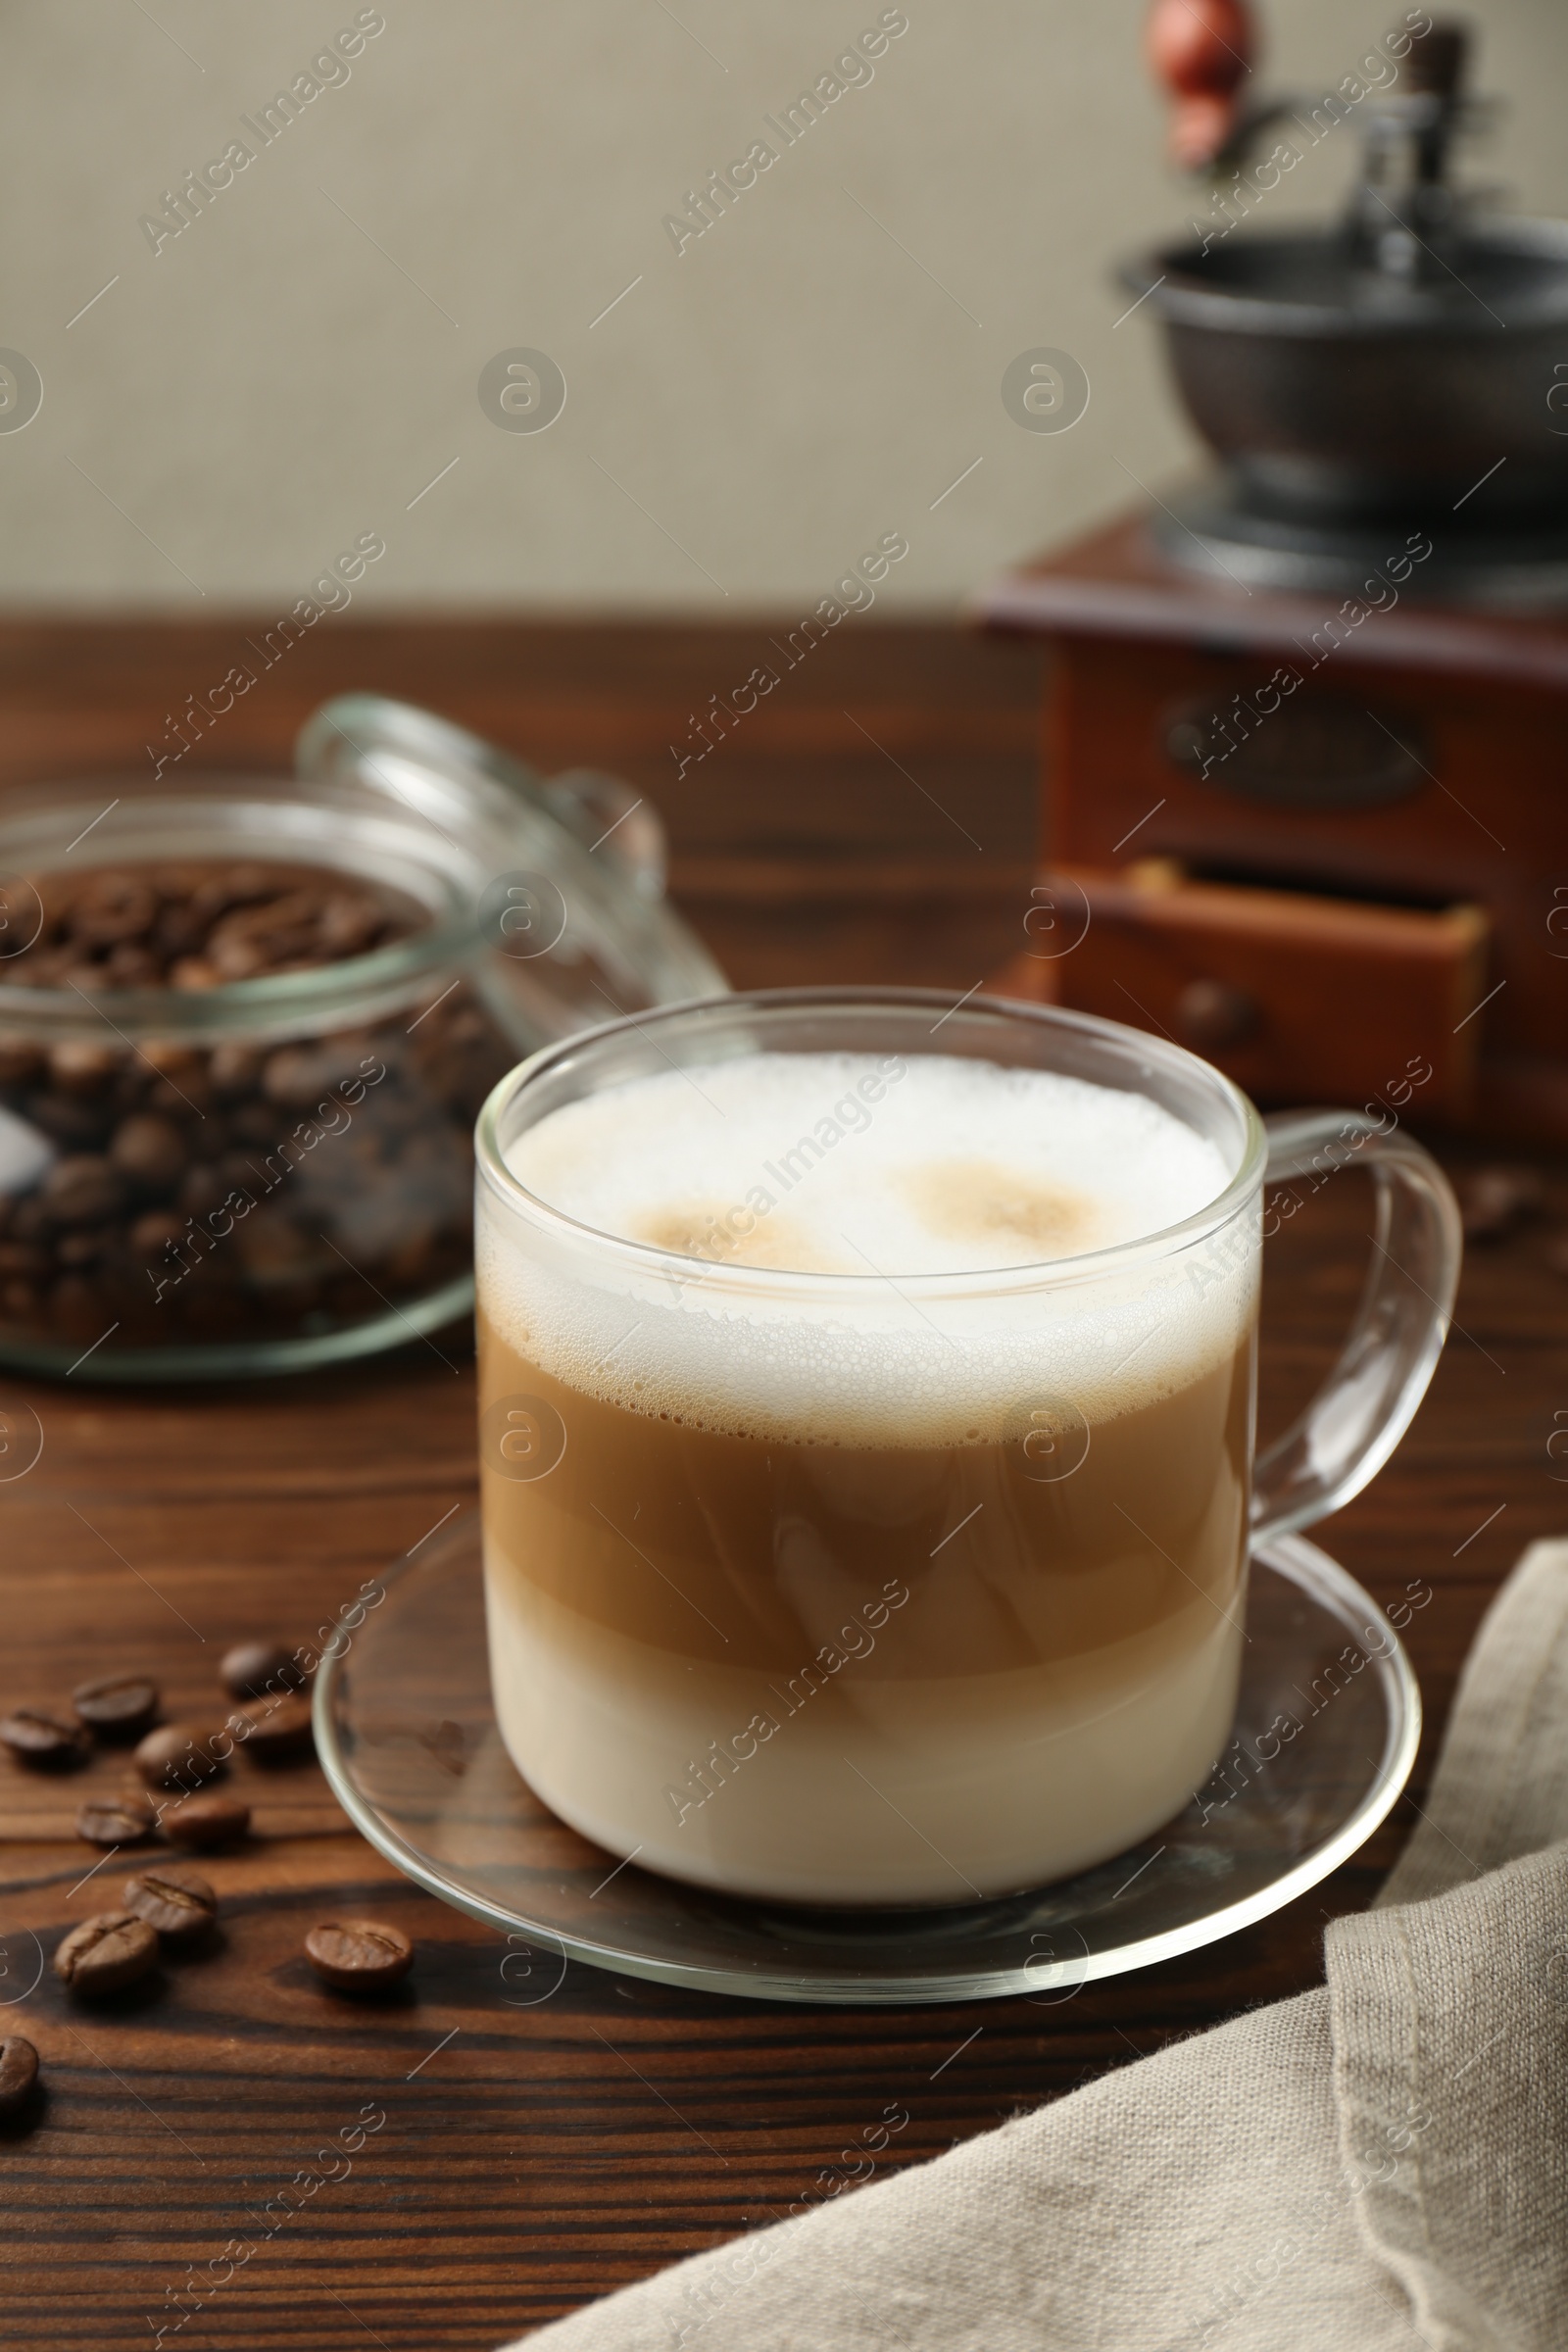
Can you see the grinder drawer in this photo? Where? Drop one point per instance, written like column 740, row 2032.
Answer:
column 1298, row 998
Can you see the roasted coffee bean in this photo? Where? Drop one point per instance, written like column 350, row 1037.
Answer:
column 408, row 1265
column 176, row 1902
column 194, row 971
column 19, row 2072
column 252, row 1669
column 115, row 1820
column 76, row 1309
column 269, row 937
column 110, row 1950
column 299, row 1077
column 359, row 1955
column 112, row 906
column 350, row 922
column 176, row 1757
column 152, row 1235
column 81, row 1190
column 277, row 1730
column 223, row 1210
column 235, row 1070
column 46, row 1739
column 133, row 966
column 116, row 1706
column 215, row 1309
column 84, row 1247
column 45, row 967
column 180, row 929
column 213, row 893
column 65, row 1121
column 170, row 1057
column 255, row 1124
column 202, row 1190
column 150, row 1151
column 202, row 1822
column 79, row 1067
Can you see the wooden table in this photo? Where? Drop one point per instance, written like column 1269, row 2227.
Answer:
column 531, row 2158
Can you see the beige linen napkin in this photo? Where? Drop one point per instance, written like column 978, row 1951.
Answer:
column 1375, row 2166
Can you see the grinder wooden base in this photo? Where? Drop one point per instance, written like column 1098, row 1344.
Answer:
column 1322, row 842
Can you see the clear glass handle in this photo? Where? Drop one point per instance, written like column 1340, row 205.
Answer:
column 1368, row 1401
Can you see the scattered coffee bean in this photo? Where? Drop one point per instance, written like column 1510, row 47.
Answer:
column 1493, row 1200
column 176, row 1902
column 358, row 1955
column 115, row 1820
column 39, row 1738
column 117, row 1706
column 175, row 1756
column 282, row 1729
column 111, row 1949
column 19, row 2072
column 201, row 1822
column 252, row 1669
column 1557, row 1253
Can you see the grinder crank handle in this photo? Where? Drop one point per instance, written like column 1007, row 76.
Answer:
column 1202, row 51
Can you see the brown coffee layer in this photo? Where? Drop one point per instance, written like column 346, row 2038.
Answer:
column 748, row 1552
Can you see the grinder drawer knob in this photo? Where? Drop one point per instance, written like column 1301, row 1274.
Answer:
column 1210, row 1016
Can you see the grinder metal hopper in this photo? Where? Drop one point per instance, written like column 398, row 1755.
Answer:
column 1402, row 372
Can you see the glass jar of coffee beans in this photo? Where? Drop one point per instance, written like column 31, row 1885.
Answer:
column 245, row 1029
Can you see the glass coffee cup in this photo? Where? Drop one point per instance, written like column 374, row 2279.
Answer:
column 867, row 1430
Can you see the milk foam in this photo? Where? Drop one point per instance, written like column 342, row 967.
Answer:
column 894, row 1167
column 831, row 1163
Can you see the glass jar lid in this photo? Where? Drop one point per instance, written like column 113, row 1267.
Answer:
column 548, row 892
column 579, row 906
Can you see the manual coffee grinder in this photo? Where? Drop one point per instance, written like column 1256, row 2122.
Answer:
column 1306, row 723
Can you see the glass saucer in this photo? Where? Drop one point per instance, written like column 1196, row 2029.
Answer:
column 1325, row 1736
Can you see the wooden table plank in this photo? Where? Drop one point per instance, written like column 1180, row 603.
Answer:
column 531, row 2157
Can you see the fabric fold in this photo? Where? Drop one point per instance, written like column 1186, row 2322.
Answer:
column 1376, row 2165
column 1450, row 2039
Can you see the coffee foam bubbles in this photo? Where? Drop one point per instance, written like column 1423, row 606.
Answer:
column 832, row 1164
column 884, row 1167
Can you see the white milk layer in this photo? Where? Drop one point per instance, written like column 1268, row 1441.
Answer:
column 845, row 1790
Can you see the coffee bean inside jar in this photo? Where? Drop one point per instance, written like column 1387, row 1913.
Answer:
column 251, row 1184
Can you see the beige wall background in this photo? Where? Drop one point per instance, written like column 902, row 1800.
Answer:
column 300, row 366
